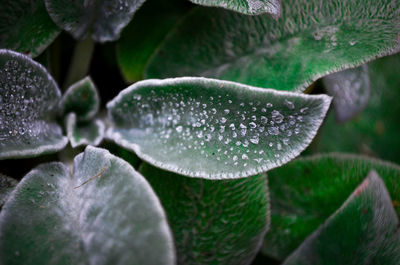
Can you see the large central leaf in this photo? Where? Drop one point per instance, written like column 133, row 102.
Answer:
column 214, row 129
column 311, row 39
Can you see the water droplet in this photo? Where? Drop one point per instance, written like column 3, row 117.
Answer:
column 289, row 104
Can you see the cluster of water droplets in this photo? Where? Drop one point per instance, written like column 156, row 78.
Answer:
column 115, row 7
column 329, row 34
column 220, row 127
column 25, row 102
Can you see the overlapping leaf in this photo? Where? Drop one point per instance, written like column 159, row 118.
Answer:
column 312, row 38
column 363, row 231
column 102, row 20
column 25, row 26
column 249, row 7
column 105, row 213
column 7, row 185
column 307, row 191
column 350, row 90
column 145, row 32
column 29, row 100
column 84, row 133
column 214, row 222
column 214, row 129
column 376, row 130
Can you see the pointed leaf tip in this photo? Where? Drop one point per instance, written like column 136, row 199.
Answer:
column 248, row 7
column 214, row 129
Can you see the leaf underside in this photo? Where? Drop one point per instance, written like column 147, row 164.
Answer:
column 263, row 51
column 26, row 27
column 307, row 191
column 101, row 20
column 29, row 99
column 54, row 217
column 235, row 131
column 249, row 7
column 214, row 222
column 368, row 224
column 84, row 133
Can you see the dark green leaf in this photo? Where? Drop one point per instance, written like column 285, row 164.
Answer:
column 214, row 129
column 29, row 98
column 363, row 231
column 143, row 35
column 350, row 90
column 105, row 213
column 102, row 20
column 376, row 131
column 25, row 26
column 312, row 38
column 81, row 98
column 250, row 7
column 7, row 185
column 307, row 191
column 214, row 222
column 84, row 133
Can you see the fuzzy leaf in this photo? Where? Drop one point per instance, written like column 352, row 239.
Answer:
column 145, row 32
column 307, row 191
column 29, row 98
column 102, row 20
column 312, row 38
column 84, row 133
column 81, row 98
column 105, row 213
column 350, row 90
column 376, row 130
column 7, row 185
column 363, row 231
column 214, row 129
column 249, row 7
column 25, row 26
column 214, row 222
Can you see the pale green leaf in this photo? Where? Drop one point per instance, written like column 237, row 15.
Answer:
column 29, row 99
column 103, row 213
column 364, row 230
column 214, row 129
column 213, row 221
column 312, row 38
column 84, row 133
column 249, row 7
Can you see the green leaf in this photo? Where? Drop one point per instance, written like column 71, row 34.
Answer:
column 376, row 130
column 145, row 32
column 103, row 213
column 7, row 185
column 84, row 133
column 81, row 98
column 312, row 38
column 363, row 231
column 214, row 222
column 26, row 27
column 29, row 98
column 350, row 90
column 213, row 129
column 249, row 7
column 307, row 191
column 101, row 20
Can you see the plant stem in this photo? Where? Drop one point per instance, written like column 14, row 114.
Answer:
column 80, row 62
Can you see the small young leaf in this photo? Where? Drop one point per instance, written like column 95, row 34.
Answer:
column 214, row 222
column 7, row 185
column 363, row 231
column 102, row 20
column 214, row 129
column 249, row 7
column 350, row 90
column 105, row 213
column 140, row 39
column 25, row 26
column 29, row 98
column 84, row 133
column 307, row 191
column 375, row 131
column 81, row 98
column 312, row 38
